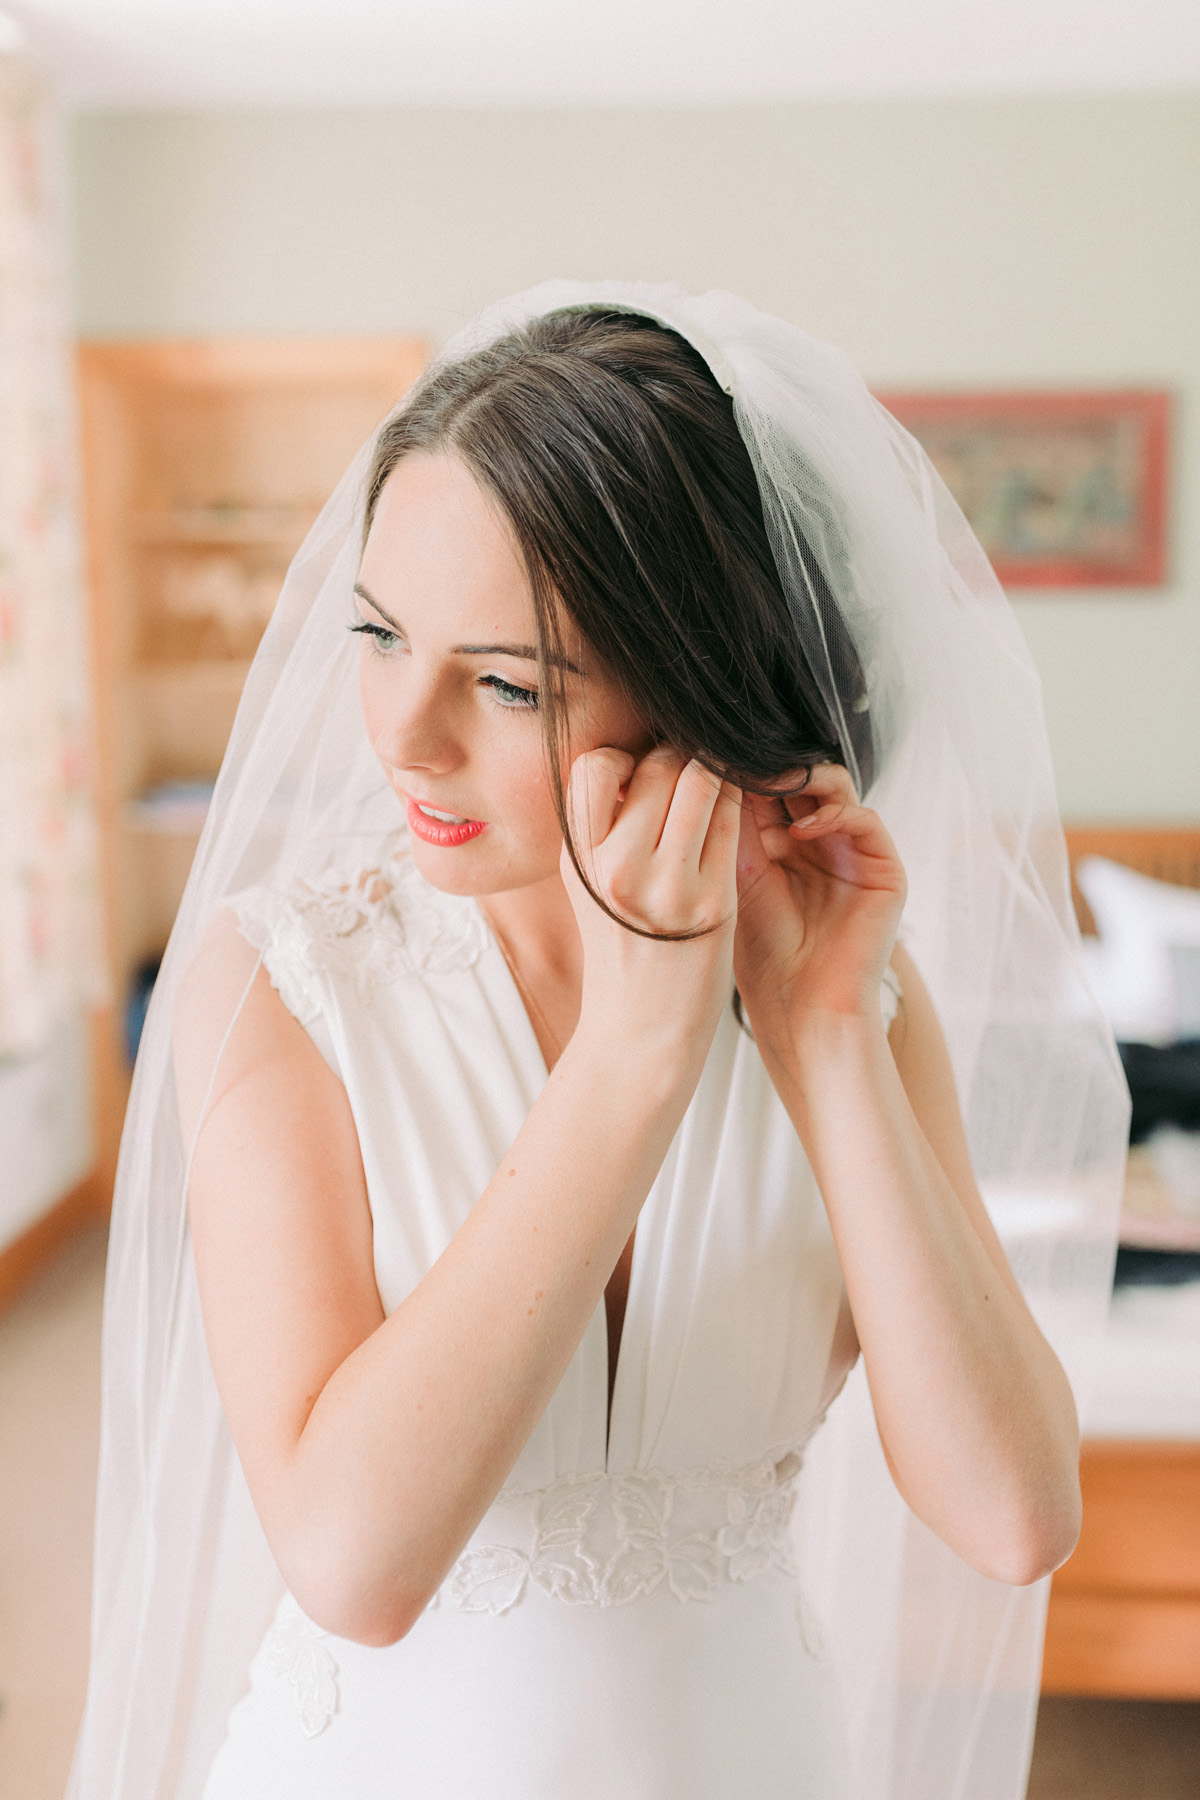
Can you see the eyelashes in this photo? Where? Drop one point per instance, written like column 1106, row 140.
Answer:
column 505, row 693
column 509, row 695
column 382, row 638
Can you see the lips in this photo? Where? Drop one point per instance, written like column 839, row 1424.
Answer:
column 443, row 829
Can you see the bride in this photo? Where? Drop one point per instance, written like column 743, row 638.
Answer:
column 565, row 1112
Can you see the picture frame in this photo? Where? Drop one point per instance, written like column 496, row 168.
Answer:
column 1063, row 489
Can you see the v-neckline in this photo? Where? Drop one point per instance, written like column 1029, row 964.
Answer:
column 610, row 1390
column 613, row 1356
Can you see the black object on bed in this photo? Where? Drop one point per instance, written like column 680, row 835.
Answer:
column 1164, row 1084
column 1155, row 1268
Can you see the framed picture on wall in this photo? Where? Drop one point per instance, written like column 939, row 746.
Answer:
column 1062, row 489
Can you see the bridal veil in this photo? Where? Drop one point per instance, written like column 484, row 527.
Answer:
column 938, row 1667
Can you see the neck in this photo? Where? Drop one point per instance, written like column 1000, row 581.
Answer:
column 537, row 924
column 538, row 935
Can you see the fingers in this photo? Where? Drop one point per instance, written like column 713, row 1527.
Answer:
column 593, row 792
column 825, row 792
column 680, row 810
column 826, row 810
column 649, row 798
column 689, row 816
column 827, row 806
column 828, row 813
column 724, row 832
column 821, row 784
column 661, row 836
column 828, row 799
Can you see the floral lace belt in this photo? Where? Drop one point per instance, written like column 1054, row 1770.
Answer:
column 593, row 1540
column 605, row 1540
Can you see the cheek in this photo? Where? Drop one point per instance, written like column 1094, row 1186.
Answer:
column 372, row 698
column 519, row 786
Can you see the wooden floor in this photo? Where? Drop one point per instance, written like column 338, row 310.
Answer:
column 1116, row 1750
column 49, row 1383
column 49, row 1439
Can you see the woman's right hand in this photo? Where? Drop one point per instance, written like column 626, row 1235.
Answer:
column 658, row 839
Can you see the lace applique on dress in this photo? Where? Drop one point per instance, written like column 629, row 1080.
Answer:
column 297, row 1653
column 606, row 1540
column 373, row 926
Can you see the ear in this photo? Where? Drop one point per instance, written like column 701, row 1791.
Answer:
column 752, row 859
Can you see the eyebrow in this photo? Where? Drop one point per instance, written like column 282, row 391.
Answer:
column 524, row 652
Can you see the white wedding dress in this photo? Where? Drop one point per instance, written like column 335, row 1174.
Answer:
column 627, row 1622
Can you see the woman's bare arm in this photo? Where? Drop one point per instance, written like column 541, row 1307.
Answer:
column 974, row 1410
column 975, row 1413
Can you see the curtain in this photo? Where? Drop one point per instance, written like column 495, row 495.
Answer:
column 51, row 959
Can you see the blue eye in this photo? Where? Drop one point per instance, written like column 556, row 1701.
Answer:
column 382, row 639
column 509, row 695
column 505, row 693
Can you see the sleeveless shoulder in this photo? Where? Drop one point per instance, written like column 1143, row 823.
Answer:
column 366, row 925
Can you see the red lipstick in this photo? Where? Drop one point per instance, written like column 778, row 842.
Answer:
column 447, row 835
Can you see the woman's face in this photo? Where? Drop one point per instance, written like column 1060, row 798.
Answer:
column 448, row 679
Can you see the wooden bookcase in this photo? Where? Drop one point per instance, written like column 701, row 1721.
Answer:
column 1124, row 1614
column 205, row 462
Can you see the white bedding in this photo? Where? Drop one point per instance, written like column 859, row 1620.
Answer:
column 1148, row 1378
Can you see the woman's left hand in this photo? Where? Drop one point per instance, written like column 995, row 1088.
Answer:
column 820, row 893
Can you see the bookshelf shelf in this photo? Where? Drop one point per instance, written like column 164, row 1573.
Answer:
column 243, row 529
column 205, row 463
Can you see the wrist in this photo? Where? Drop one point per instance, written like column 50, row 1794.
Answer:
column 655, row 1053
column 830, row 1070
column 811, row 1041
column 779, row 1012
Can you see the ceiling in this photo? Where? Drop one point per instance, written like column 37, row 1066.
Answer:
column 332, row 52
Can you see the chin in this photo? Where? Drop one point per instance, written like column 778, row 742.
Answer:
column 467, row 869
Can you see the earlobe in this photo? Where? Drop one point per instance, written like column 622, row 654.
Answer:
column 752, row 859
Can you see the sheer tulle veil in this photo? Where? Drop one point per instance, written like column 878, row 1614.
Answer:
column 937, row 1667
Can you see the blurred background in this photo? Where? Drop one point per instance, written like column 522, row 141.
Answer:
column 231, row 233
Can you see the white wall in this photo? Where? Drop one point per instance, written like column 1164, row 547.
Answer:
column 1048, row 241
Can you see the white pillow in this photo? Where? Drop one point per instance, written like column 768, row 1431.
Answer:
column 1140, row 970
column 1185, row 969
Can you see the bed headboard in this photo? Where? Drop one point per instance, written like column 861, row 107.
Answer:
column 1166, row 852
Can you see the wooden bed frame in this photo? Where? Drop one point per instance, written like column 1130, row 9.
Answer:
column 1124, row 1615
column 1166, row 852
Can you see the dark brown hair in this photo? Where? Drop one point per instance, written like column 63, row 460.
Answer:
column 616, row 459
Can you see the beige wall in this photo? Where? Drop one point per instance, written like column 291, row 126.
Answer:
column 943, row 242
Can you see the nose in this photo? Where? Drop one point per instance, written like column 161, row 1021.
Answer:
column 410, row 722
